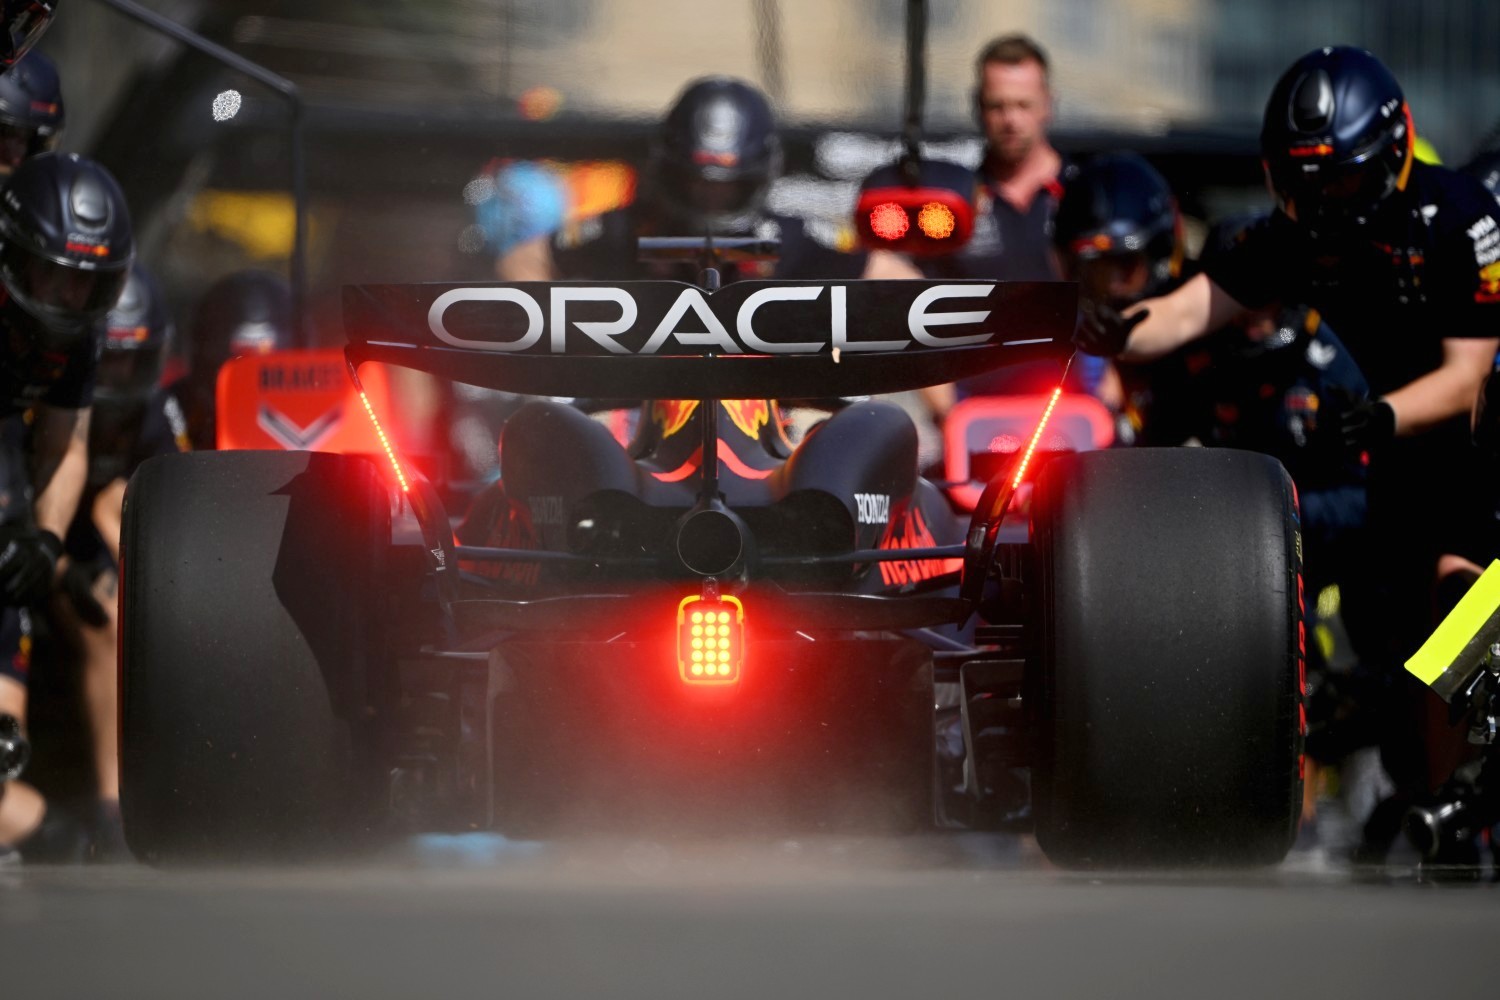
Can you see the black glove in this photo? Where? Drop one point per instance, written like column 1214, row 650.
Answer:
column 27, row 564
column 79, row 586
column 1103, row 329
column 1362, row 424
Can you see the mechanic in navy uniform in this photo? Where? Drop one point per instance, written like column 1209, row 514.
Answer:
column 65, row 250
column 1264, row 383
column 133, row 419
column 246, row 312
column 1021, row 183
column 1021, row 175
column 1403, row 260
column 31, row 111
column 712, row 163
column 1117, row 232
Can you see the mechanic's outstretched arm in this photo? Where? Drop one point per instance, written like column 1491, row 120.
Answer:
column 1448, row 390
column 60, row 465
column 1196, row 308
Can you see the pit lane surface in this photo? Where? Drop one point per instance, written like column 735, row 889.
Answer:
column 942, row 915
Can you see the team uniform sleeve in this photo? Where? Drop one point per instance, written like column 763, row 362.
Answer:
column 1466, row 279
column 164, row 429
column 1254, row 271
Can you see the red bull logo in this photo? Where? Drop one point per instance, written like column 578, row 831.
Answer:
column 87, row 249
column 672, row 415
column 129, row 334
column 1489, row 284
column 749, row 415
column 910, row 531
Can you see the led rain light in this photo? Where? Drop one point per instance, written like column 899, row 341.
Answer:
column 710, row 640
column 1036, row 436
column 385, row 443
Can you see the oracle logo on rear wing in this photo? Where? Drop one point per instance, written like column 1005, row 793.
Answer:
column 691, row 324
column 671, row 339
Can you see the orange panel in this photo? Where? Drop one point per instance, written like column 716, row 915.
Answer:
column 299, row 400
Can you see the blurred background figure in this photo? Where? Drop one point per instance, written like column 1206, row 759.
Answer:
column 31, row 110
column 1021, row 175
column 1118, row 234
column 248, row 312
column 712, row 161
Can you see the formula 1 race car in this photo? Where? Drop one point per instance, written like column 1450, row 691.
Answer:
column 711, row 629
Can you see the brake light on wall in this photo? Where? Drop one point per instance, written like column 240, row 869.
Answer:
column 924, row 208
column 710, row 640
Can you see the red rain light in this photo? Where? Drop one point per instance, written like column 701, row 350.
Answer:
column 710, row 640
column 385, row 443
column 888, row 221
column 1036, row 436
column 936, row 220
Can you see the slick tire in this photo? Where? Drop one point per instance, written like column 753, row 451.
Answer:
column 249, row 638
column 1170, row 682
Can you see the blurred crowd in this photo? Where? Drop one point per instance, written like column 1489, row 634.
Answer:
column 1348, row 330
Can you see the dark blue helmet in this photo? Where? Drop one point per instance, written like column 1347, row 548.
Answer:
column 1118, row 212
column 21, row 24
column 716, row 153
column 247, row 312
column 31, row 110
column 1337, row 139
column 65, row 245
column 136, row 334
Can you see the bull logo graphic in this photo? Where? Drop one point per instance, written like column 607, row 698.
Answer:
column 673, row 414
column 749, row 415
column 1489, row 284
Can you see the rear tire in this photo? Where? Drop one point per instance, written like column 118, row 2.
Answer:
column 1170, row 681
column 249, row 639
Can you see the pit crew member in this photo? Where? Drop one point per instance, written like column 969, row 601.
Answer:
column 65, row 249
column 247, row 312
column 1403, row 260
column 712, row 163
column 133, row 419
column 31, row 111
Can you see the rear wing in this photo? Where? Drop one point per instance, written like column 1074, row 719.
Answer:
column 673, row 340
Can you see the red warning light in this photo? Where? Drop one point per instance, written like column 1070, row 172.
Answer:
column 936, row 220
column 385, row 442
column 1036, row 436
column 710, row 640
column 889, row 221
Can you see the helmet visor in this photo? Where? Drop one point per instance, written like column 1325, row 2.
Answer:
column 1343, row 191
column 128, row 374
column 23, row 28
column 701, row 196
column 59, row 294
column 1118, row 279
column 16, row 143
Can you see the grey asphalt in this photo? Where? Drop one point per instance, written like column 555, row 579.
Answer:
column 912, row 918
